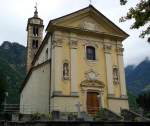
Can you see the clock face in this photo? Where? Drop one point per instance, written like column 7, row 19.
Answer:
column 92, row 75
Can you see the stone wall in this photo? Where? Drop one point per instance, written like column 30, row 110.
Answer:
column 35, row 94
column 73, row 123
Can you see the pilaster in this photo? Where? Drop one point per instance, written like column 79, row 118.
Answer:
column 107, row 50
column 56, row 63
column 73, row 49
column 121, row 71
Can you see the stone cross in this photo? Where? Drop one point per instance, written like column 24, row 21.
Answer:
column 90, row 1
column 36, row 6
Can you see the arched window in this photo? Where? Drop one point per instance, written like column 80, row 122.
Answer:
column 34, row 44
column 90, row 53
column 35, row 31
column 65, row 71
column 37, row 43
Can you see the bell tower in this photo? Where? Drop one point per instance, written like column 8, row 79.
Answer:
column 34, row 37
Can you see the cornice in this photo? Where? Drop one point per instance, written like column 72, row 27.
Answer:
column 80, row 31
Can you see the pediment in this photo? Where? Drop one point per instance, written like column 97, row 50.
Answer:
column 85, row 22
column 89, row 19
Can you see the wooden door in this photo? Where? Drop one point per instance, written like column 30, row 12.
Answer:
column 92, row 102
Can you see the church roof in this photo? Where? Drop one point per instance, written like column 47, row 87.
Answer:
column 92, row 11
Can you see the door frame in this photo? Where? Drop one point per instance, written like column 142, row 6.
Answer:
column 92, row 86
column 99, row 99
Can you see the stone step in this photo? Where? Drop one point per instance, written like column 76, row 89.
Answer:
column 133, row 116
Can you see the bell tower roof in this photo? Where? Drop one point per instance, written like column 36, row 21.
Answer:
column 35, row 20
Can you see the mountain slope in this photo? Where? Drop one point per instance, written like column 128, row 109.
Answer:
column 12, row 65
column 138, row 78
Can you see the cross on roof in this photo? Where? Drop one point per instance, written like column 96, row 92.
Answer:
column 35, row 6
column 90, row 1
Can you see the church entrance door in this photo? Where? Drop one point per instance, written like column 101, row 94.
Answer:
column 93, row 102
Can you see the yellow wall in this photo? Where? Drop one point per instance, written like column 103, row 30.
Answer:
column 83, row 65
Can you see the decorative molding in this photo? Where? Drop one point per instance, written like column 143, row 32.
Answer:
column 92, row 83
column 124, row 96
column 65, row 96
column 90, row 43
column 74, row 94
column 57, row 39
column 111, row 95
column 57, row 42
column 91, row 75
column 73, row 41
column 119, row 51
column 118, row 98
column 107, row 49
column 88, row 26
column 73, row 44
column 57, row 93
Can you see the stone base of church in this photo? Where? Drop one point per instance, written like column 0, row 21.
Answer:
column 116, row 104
column 64, row 103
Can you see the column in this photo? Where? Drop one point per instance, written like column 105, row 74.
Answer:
column 121, row 72
column 108, row 59
column 74, row 83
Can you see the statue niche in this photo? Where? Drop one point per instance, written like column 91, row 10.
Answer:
column 115, row 74
column 65, row 71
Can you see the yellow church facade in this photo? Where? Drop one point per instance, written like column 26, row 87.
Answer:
column 79, row 62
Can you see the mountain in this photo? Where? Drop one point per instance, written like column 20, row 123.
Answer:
column 12, row 65
column 138, row 77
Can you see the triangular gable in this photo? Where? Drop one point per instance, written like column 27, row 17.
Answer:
column 91, row 18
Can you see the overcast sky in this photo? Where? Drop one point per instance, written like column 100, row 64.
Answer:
column 15, row 13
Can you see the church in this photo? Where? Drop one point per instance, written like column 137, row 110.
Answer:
column 79, row 62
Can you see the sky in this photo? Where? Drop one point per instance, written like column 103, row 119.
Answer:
column 15, row 13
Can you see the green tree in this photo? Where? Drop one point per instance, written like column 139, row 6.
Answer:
column 3, row 86
column 143, row 101
column 141, row 16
